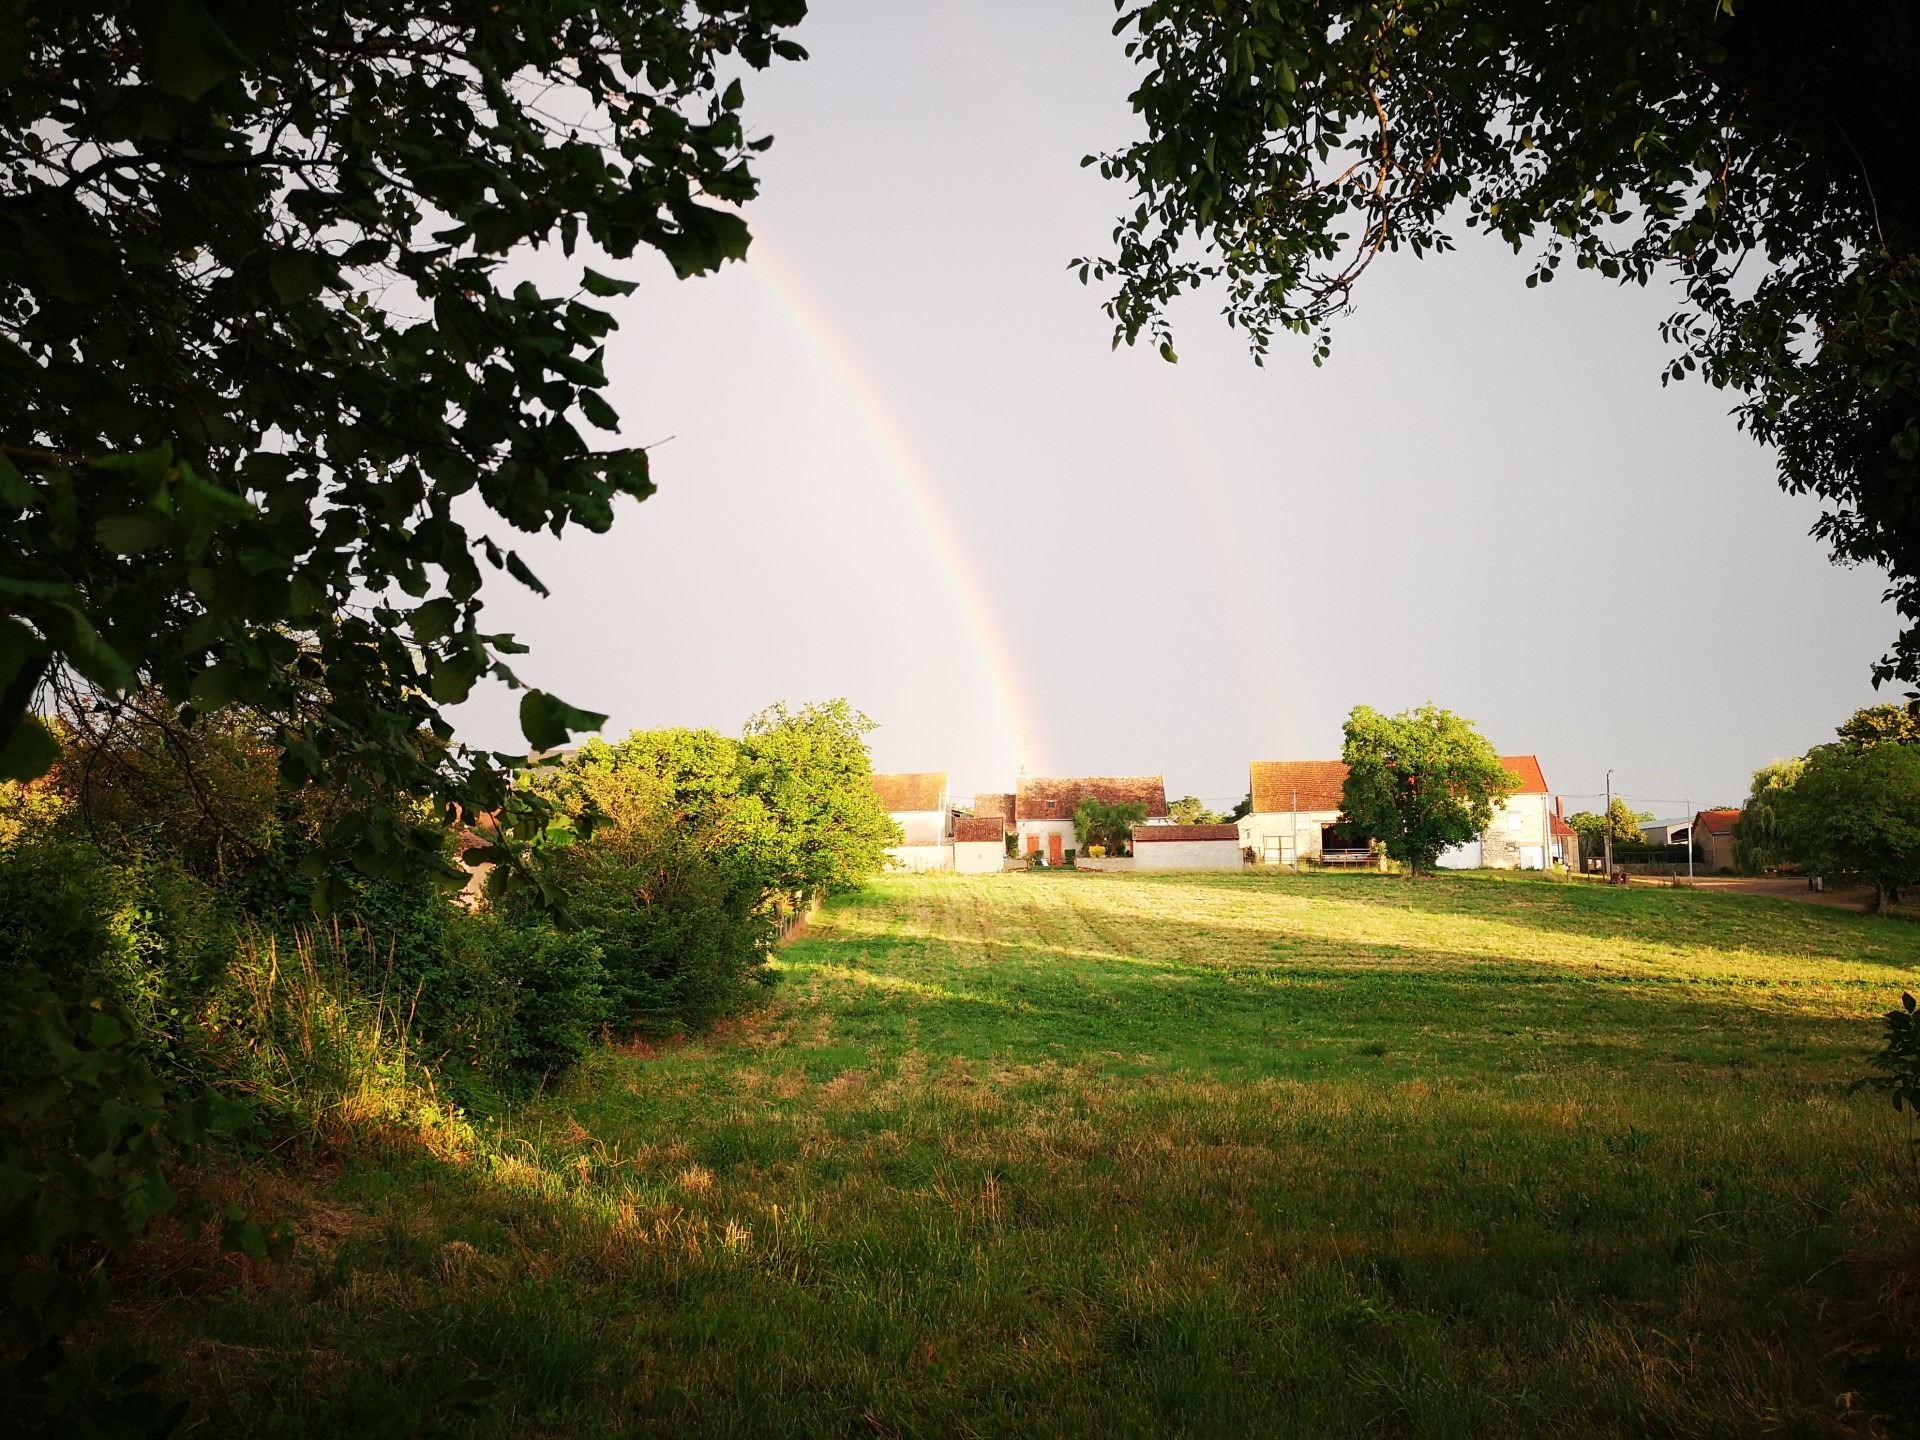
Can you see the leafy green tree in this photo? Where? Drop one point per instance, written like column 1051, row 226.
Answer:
column 1288, row 143
column 271, row 399
column 1420, row 781
column 1856, row 812
column 1108, row 823
column 1876, row 723
column 827, row 833
column 1758, row 843
column 1189, row 811
column 1242, row 808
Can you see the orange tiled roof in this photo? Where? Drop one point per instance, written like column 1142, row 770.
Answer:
column 1148, row 834
column 1718, row 822
column 924, row 790
column 1526, row 769
column 968, row 828
column 995, row 804
column 1039, row 798
column 1297, row 785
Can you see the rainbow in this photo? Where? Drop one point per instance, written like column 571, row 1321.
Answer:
column 889, row 437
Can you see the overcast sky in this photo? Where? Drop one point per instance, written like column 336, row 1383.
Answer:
column 905, row 467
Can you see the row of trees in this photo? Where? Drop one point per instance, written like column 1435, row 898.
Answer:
column 162, row 968
column 1849, row 807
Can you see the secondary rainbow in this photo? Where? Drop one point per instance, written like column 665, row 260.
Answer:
column 890, row 439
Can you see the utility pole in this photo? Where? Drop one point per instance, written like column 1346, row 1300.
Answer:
column 1606, row 830
column 1689, row 839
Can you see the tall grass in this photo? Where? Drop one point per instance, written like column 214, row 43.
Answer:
column 297, row 1032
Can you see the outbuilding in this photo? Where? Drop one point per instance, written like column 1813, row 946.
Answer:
column 1187, row 847
column 979, row 844
column 1713, row 839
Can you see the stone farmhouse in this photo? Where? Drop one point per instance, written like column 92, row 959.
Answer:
column 1043, row 808
column 1296, row 816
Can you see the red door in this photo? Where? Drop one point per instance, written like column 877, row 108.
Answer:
column 1053, row 848
column 1033, row 844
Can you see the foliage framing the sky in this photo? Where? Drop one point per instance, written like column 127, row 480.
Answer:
column 1764, row 152
column 263, row 385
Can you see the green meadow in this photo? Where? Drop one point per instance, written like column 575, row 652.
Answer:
column 1073, row 1154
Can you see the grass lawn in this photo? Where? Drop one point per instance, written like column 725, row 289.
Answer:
column 1068, row 1154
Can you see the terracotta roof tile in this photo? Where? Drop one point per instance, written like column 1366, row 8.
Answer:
column 1526, row 769
column 1718, row 822
column 1150, row 834
column 924, row 790
column 995, row 804
column 970, row 828
column 1039, row 798
column 1316, row 783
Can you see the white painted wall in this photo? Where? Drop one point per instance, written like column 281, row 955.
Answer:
column 1187, row 855
column 978, row 857
column 921, row 857
column 1044, row 828
column 1460, row 857
column 922, row 827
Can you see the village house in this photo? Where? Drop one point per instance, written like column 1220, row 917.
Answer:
column 1187, row 847
column 1296, row 816
column 921, row 806
column 1712, row 835
column 1043, row 809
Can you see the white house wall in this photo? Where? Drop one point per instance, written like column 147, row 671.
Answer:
column 1187, row 855
column 1044, row 828
column 922, row 827
column 921, row 857
column 979, row 857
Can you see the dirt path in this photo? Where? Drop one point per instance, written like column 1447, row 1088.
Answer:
column 1781, row 887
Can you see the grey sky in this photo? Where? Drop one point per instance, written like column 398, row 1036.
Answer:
column 1485, row 499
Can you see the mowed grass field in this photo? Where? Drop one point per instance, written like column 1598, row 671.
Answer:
column 1059, row 1154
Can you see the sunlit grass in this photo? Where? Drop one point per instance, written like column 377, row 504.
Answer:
column 1145, row 1155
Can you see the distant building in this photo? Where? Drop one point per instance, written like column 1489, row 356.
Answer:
column 919, row 805
column 1296, row 807
column 1296, row 816
column 1713, row 839
column 1187, row 847
column 1043, row 808
column 1668, row 832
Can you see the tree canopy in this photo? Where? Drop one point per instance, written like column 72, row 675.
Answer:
column 1108, row 823
column 1765, row 154
column 1758, row 843
column 1856, row 810
column 1189, row 810
column 1420, row 781
column 271, row 403
column 1621, row 823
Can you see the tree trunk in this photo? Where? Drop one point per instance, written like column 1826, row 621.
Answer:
column 1879, row 897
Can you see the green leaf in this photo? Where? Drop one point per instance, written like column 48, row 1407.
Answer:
column 548, row 721
column 517, row 568
column 597, row 284
column 130, row 534
column 432, row 620
column 29, row 751
column 187, row 52
column 598, row 411
column 14, row 488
